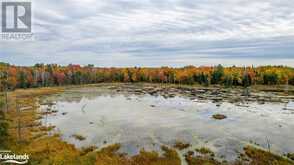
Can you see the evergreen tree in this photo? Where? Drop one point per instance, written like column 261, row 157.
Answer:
column 246, row 80
column 217, row 74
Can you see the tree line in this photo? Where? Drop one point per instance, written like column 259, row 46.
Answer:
column 43, row 75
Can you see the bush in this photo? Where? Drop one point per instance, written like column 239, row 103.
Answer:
column 270, row 79
column 3, row 127
column 3, row 124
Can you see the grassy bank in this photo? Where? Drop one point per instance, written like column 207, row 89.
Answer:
column 32, row 138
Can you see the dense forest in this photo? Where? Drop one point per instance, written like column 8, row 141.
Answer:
column 41, row 75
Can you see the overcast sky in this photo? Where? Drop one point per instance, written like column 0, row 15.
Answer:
column 157, row 33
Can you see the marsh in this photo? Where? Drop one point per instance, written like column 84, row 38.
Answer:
column 137, row 117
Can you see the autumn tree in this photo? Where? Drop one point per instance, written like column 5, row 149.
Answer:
column 217, row 75
column 52, row 74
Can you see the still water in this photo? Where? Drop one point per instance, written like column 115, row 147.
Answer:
column 104, row 116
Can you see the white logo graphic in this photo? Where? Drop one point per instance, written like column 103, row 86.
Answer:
column 6, row 157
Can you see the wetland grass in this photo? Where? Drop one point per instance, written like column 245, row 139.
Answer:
column 180, row 145
column 78, row 137
column 45, row 149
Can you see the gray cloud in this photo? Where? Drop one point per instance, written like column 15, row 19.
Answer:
column 154, row 33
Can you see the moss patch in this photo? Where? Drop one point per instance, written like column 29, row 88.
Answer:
column 180, row 145
column 219, row 116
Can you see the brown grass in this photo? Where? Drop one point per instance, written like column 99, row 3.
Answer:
column 52, row 150
column 109, row 156
column 262, row 157
column 180, row 145
column 205, row 151
column 200, row 160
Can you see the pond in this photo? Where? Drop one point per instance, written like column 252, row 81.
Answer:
column 113, row 114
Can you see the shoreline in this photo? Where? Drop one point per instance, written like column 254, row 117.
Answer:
column 35, row 134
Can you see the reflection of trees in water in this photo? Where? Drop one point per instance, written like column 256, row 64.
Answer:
column 128, row 91
column 77, row 96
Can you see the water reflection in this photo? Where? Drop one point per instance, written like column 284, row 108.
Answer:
column 105, row 116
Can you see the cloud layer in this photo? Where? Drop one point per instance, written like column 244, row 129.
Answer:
column 156, row 33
